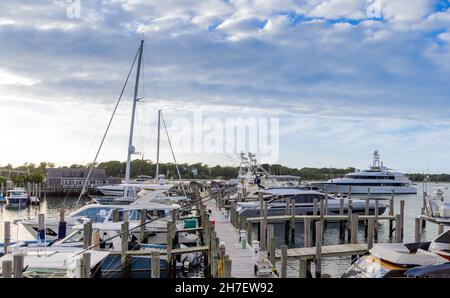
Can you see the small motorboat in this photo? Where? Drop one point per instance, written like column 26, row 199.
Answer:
column 424, row 259
column 17, row 198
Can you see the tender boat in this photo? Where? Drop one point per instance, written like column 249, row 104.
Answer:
column 424, row 259
column 376, row 180
column 17, row 198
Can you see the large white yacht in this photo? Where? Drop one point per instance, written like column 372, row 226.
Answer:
column 377, row 180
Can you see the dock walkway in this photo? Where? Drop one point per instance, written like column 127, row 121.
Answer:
column 308, row 253
column 242, row 265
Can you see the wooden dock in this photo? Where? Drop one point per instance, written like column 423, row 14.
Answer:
column 242, row 265
column 309, row 253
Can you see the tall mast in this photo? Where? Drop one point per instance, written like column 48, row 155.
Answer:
column 157, row 147
column 131, row 148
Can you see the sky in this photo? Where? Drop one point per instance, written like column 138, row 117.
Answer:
column 342, row 78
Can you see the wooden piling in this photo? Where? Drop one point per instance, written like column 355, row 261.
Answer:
column 370, row 232
column 270, row 245
column 284, row 261
column 366, row 212
column 315, row 206
column 87, row 264
column 402, row 217
column 376, row 225
column 306, row 232
column 354, row 227
column 319, row 233
column 302, row 268
column 7, row 268
column 143, row 219
column 292, row 223
column 249, row 233
column 155, row 273
column 349, row 214
column 87, row 234
column 116, row 216
column 398, row 228
column 124, row 242
column 440, row 229
column 227, row 266
column 263, row 227
column 391, row 213
column 6, row 236
column 417, row 230
column 18, row 265
column 341, row 222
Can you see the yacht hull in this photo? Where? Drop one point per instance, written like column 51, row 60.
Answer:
column 364, row 190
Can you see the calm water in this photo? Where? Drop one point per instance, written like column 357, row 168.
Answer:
column 334, row 266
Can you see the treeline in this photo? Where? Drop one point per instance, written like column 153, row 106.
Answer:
column 114, row 168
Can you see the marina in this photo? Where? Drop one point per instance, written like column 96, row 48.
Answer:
column 224, row 146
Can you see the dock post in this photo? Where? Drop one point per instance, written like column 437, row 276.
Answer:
column 227, row 266
column 354, row 226
column 143, row 218
column 287, row 212
column 391, row 213
column 417, row 230
column 155, row 273
column 319, row 231
column 249, row 232
column 272, row 245
column 315, row 206
column 284, row 261
column 402, row 216
column 366, row 213
column 62, row 225
column 7, row 267
column 376, row 225
column 306, row 231
column 123, row 241
column 349, row 220
column 115, row 215
column 41, row 227
column 263, row 227
column 170, row 229
column 87, row 264
column 341, row 222
column 440, row 229
column 398, row 228
column 18, row 265
column 221, row 273
column 87, row 235
column 292, row 224
column 370, row 233
column 302, row 268
column 6, row 236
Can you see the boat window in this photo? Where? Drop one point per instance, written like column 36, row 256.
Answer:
column 75, row 237
column 96, row 214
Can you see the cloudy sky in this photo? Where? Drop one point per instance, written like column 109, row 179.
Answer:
column 344, row 77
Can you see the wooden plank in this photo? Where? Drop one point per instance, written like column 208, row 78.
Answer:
column 327, row 251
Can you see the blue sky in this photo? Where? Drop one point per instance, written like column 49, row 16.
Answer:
column 342, row 81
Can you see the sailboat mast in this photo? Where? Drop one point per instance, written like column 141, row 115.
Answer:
column 130, row 140
column 157, row 147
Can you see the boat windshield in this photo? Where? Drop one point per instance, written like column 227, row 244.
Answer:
column 96, row 214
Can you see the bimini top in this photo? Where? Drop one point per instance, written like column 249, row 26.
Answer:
column 399, row 254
